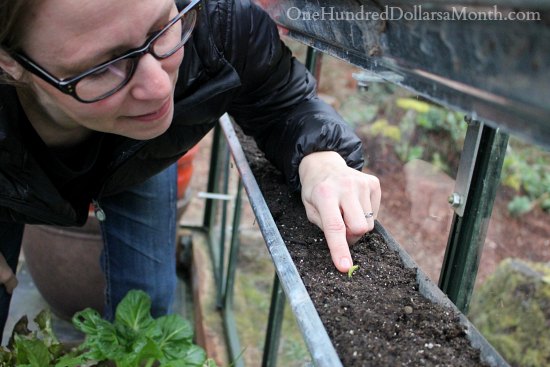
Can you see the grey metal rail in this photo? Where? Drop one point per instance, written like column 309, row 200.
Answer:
column 315, row 336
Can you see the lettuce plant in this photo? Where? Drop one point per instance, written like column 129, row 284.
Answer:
column 133, row 339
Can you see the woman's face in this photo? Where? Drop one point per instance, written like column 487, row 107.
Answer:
column 67, row 37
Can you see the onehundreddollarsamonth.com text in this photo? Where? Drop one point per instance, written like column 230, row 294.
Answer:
column 417, row 12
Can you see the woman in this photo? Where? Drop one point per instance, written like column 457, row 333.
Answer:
column 102, row 97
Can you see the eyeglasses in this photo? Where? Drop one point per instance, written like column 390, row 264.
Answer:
column 105, row 79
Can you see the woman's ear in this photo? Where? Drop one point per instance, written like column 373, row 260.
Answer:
column 10, row 66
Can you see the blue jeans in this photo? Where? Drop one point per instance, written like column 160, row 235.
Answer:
column 139, row 236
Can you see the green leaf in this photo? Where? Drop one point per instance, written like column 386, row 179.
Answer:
column 32, row 352
column 46, row 334
column 44, row 322
column 21, row 327
column 102, row 340
column 89, row 322
column 175, row 337
column 134, row 311
column 195, row 356
column 210, row 363
column 149, row 350
column 69, row 360
column 6, row 356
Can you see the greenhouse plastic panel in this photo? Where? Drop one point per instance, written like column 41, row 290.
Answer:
column 469, row 66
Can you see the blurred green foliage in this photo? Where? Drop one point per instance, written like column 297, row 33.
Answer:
column 527, row 171
column 418, row 129
column 512, row 310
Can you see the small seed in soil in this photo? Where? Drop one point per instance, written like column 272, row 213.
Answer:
column 408, row 309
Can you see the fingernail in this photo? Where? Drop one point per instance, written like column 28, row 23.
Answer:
column 345, row 263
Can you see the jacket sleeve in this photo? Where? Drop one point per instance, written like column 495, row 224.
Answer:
column 277, row 103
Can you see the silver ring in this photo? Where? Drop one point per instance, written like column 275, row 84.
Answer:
column 369, row 215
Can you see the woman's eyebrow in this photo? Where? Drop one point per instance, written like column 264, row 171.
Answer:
column 117, row 50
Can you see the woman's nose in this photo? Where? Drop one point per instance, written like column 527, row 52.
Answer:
column 151, row 80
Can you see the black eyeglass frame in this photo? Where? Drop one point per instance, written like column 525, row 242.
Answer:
column 68, row 85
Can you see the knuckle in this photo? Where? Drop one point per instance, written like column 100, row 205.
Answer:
column 358, row 229
column 334, row 225
column 347, row 182
column 311, row 216
column 324, row 190
column 372, row 182
column 375, row 182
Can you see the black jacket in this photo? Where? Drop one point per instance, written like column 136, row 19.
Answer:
column 235, row 63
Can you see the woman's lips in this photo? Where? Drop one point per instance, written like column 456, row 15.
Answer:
column 158, row 114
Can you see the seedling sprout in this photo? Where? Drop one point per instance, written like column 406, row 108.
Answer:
column 352, row 270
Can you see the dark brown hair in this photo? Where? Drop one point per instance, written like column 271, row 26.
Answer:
column 12, row 20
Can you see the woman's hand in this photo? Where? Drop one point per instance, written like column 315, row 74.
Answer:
column 7, row 277
column 338, row 199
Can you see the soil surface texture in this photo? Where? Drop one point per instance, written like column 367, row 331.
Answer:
column 377, row 317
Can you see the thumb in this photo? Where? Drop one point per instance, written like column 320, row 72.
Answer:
column 7, row 277
column 11, row 283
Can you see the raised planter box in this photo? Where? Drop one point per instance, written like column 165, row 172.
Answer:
column 388, row 313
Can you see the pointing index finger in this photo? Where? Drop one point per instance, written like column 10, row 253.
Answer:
column 334, row 229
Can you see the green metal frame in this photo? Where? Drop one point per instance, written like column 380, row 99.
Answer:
column 274, row 326
column 468, row 232
column 224, row 271
column 230, row 325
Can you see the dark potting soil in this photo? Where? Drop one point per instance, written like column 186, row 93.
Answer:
column 377, row 317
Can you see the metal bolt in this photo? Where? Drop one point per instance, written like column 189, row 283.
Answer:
column 455, row 199
column 471, row 121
